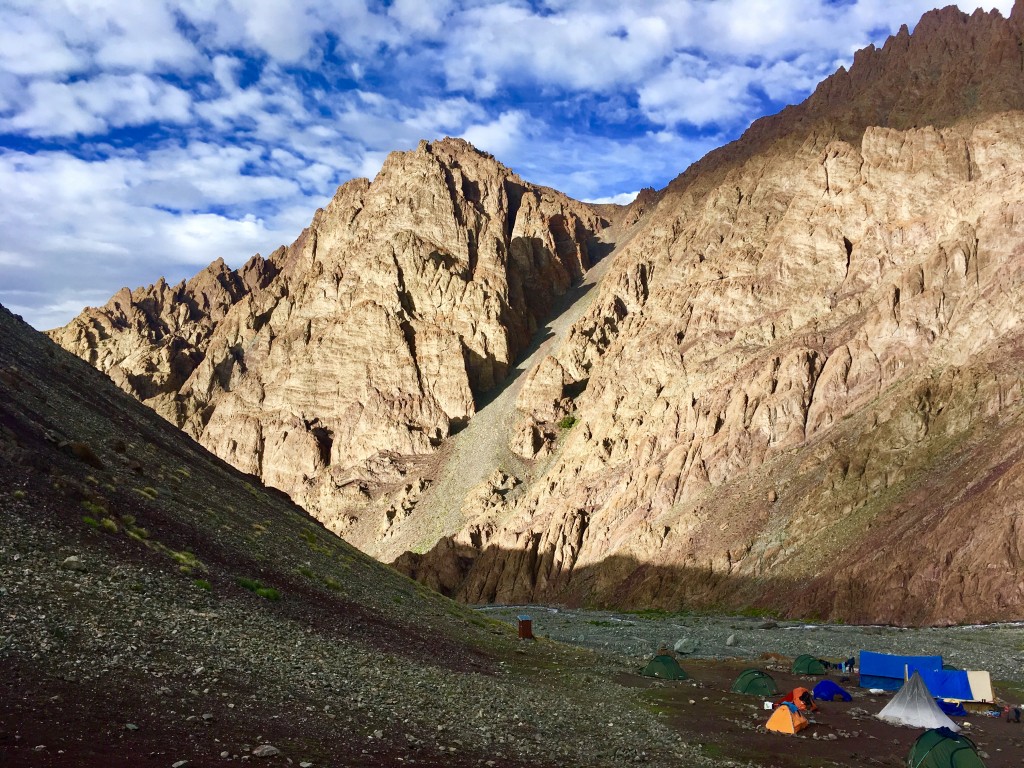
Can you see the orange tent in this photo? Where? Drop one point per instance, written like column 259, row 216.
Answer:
column 786, row 720
column 797, row 697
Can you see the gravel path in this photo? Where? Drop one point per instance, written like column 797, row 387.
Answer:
column 998, row 648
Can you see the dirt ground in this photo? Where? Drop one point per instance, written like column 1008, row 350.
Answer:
column 730, row 725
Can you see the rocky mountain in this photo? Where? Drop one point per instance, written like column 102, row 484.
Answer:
column 794, row 388
column 798, row 388
column 328, row 367
column 159, row 607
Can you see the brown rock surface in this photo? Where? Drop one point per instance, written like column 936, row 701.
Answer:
column 800, row 386
column 324, row 367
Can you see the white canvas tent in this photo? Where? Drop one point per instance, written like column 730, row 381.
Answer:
column 914, row 706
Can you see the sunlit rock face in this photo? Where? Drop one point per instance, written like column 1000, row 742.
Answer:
column 800, row 386
column 327, row 367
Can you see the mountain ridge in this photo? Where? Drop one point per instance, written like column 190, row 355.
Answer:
column 751, row 369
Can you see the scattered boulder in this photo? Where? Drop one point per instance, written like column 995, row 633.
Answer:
column 74, row 563
column 685, row 645
column 266, row 750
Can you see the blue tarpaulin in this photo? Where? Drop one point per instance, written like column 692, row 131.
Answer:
column 951, row 708
column 946, row 684
column 885, row 671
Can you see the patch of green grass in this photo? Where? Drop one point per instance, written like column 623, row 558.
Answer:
column 108, row 525
column 257, row 587
column 149, row 492
column 19, row 495
column 331, row 584
column 568, row 422
column 89, row 520
column 203, row 584
column 186, row 558
column 94, row 509
column 307, row 572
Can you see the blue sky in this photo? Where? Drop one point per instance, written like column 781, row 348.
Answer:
column 146, row 139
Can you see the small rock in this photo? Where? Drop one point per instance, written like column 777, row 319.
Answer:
column 305, row 765
column 207, row 717
column 225, row 754
column 731, row 640
column 767, row 625
column 179, row 764
column 131, row 726
column 685, row 645
column 73, row 563
column 265, row 750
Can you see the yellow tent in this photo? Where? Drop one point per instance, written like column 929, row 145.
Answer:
column 786, row 720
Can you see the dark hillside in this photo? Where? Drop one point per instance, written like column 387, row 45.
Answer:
column 159, row 606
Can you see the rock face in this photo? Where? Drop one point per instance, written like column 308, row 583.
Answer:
column 800, row 386
column 323, row 368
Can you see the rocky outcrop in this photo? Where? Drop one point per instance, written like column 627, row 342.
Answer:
column 798, row 386
column 329, row 366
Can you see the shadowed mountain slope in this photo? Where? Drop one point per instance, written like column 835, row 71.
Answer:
column 158, row 605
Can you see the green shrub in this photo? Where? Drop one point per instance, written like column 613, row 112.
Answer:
column 90, row 521
column 268, row 593
column 204, row 585
column 251, row 584
column 308, row 573
column 19, row 495
column 332, row 584
column 568, row 422
column 108, row 525
column 94, row 509
column 148, row 492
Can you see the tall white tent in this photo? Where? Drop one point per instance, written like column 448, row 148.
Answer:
column 914, row 706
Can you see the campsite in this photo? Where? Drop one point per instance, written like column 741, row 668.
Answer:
column 704, row 708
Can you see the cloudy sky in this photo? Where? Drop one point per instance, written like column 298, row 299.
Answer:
column 140, row 139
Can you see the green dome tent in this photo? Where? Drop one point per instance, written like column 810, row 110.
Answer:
column 754, row 682
column 665, row 667
column 941, row 748
column 805, row 664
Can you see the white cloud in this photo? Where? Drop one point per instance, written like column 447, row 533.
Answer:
column 237, row 118
column 28, row 48
column 92, row 106
column 499, row 136
column 623, row 198
column 87, row 228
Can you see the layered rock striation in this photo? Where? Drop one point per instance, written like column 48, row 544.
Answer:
column 799, row 386
column 365, row 341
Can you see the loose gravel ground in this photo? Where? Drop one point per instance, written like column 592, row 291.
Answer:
column 631, row 637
